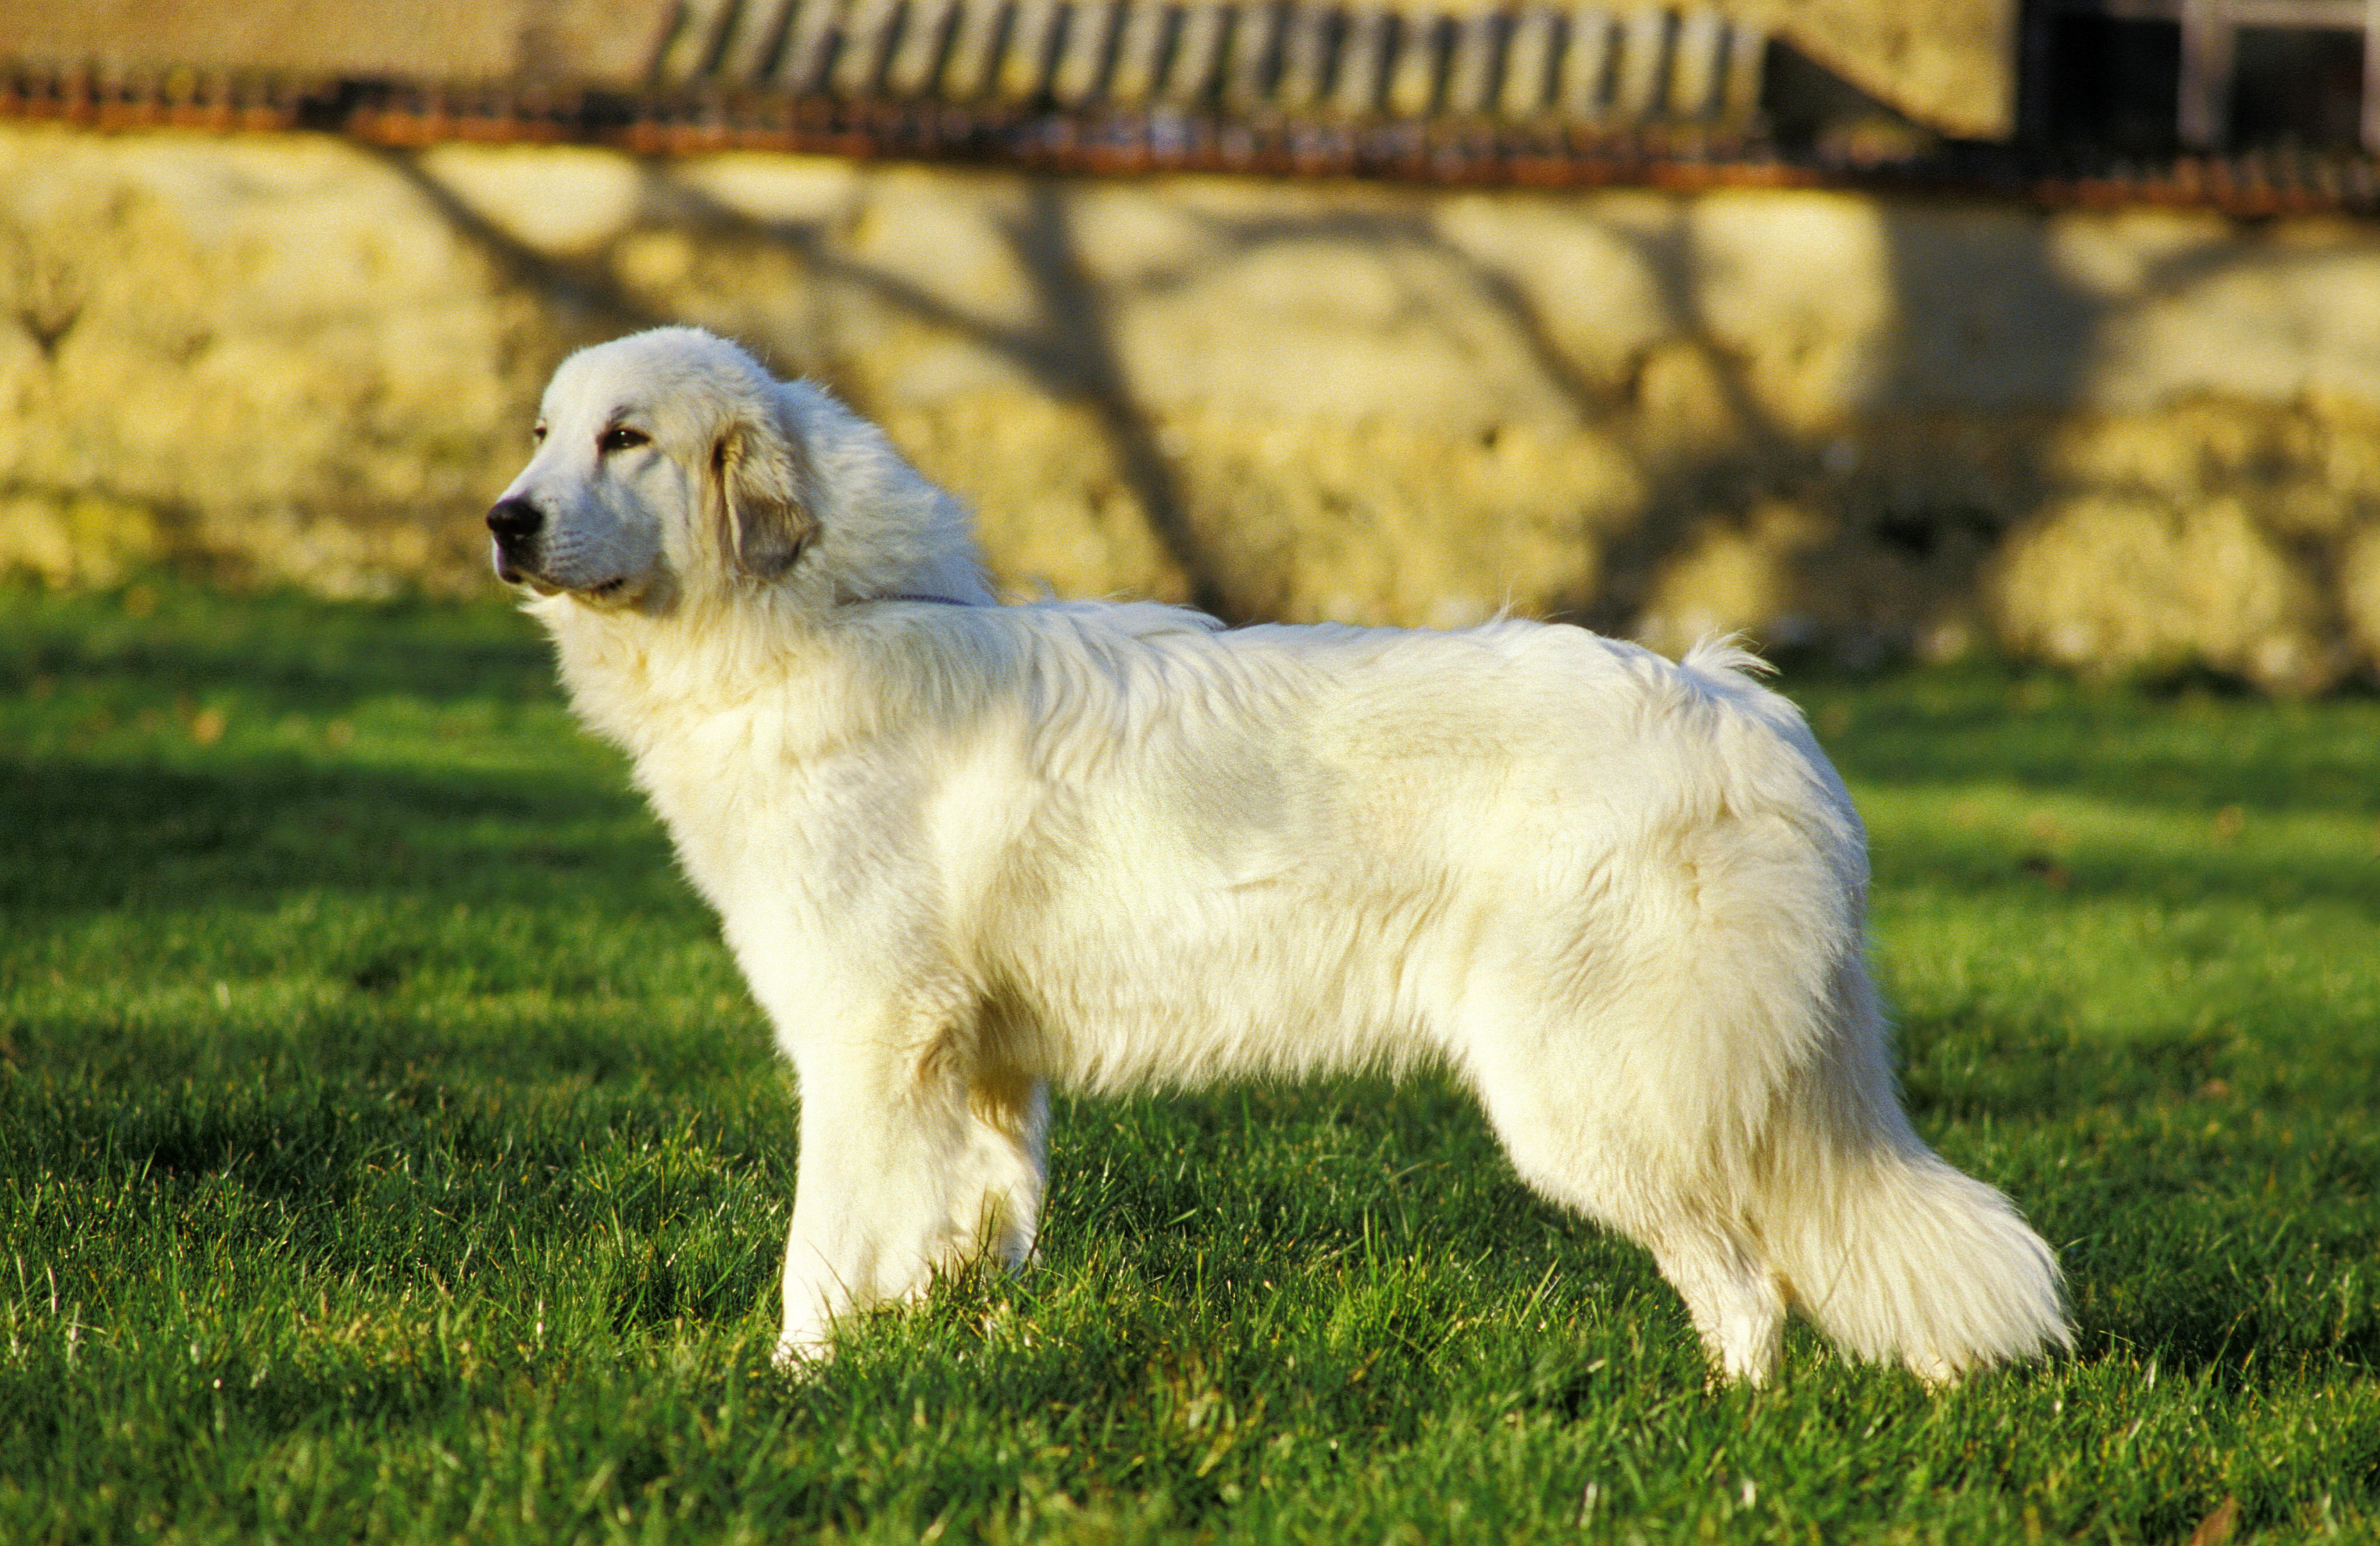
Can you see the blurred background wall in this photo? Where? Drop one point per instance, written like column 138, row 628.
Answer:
column 1834, row 357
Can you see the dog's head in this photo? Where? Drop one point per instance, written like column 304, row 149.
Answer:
column 662, row 459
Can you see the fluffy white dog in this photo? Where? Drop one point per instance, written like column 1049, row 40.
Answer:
column 962, row 849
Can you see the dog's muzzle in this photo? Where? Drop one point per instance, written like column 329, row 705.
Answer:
column 516, row 523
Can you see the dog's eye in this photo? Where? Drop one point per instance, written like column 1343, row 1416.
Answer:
column 619, row 437
column 537, row 436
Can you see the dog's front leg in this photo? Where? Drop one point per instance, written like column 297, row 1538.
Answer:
column 885, row 1146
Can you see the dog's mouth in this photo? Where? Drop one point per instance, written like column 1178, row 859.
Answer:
column 529, row 579
column 606, row 594
column 600, row 593
column 512, row 570
column 626, row 592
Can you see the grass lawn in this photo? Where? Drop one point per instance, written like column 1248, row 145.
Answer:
column 388, row 1151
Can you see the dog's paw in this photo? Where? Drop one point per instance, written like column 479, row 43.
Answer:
column 803, row 1353
column 1936, row 1371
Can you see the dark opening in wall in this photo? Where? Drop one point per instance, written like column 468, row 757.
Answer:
column 2297, row 87
column 2111, row 82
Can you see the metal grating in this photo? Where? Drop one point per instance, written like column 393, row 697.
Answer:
column 1584, row 66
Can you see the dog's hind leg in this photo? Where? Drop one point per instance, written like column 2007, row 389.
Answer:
column 1736, row 1302
column 1639, row 1111
column 1562, row 1149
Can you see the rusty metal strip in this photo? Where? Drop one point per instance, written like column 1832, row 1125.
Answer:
column 213, row 102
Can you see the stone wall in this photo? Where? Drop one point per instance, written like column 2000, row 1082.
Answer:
column 2120, row 441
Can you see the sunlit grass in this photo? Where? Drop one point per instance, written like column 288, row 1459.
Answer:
column 388, row 1151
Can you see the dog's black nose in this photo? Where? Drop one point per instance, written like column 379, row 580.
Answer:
column 515, row 518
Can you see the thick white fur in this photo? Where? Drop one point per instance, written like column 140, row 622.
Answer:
column 962, row 849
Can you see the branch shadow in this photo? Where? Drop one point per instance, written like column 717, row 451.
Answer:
column 1681, row 490
column 1082, row 327
column 584, row 292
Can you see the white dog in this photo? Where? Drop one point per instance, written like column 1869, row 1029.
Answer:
column 962, row 849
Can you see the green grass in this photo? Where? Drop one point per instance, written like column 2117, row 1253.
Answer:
column 389, row 1152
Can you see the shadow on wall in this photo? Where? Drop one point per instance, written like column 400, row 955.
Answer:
column 1838, row 424
column 1062, row 348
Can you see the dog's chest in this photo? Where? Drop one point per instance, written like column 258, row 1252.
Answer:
column 735, row 804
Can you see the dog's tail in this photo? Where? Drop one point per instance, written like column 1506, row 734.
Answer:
column 1894, row 1254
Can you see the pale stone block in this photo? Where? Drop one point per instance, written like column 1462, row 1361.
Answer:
column 2116, row 583
column 2273, row 326
column 1803, row 287
column 559, row 201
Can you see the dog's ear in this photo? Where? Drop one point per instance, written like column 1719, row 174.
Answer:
column 760, row 485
